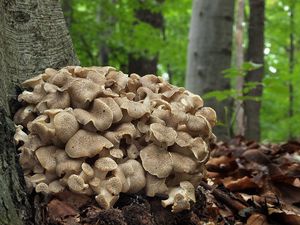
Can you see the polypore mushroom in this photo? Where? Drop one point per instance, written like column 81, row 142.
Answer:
column 86, row 144
column 100, row 116
column 98, row 132
column 180, row 197
column 157, row 161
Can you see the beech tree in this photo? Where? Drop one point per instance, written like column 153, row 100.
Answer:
column 33, row 36
column 209, row 53
column 255, row 53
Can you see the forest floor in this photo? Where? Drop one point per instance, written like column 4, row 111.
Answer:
column 248, row 183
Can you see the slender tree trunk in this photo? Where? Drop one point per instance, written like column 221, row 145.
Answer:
column 142, row 63
column 239, row 108
column 209, row 53
column 255, row 54
column 291, row 65
column 33, row 36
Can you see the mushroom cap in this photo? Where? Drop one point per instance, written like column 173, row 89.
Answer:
column 20, row 135
column 76, row 183
column 155, row 185
column 114, row 185
column 162, row 135
column 105, row 199
column 82, row 92
column 135, row 175
column 100, row 116
column 105, row 164
column 65, row 125
column 157, row 161
column 114, row 107
column 182, row 163
column 86, row 144
column 87, row 169
column 134, row 109
column 24, row 115
column 46, row 157
column 65, row 164
column 56, row 187
column 209, row 114
column 42, row 187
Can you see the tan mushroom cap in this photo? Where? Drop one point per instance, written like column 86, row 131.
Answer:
column 134, row 109
column 209, row 114
column 114, row 185
column 46, row 157
column 24, row 115
column 66, row 165
column 76, row 183
column 157, row 161
column 105, row 164
column 86, row 144
column 20, row 135
column 83, row 92
column 100, row 116
column 55, row 100
column 116, row 153
column 162, row 135
column 155, row 185
column 65, row 125
column 114, row 107
column 135, row 175
column 42, row 128
column 33, row 97
column 105, row 199
column 56, row 187
column 42, row 187
column 182, row 163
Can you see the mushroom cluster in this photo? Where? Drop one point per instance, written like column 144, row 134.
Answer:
column 99, row 132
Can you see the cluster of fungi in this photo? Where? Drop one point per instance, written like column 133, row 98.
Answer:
column 99, row 132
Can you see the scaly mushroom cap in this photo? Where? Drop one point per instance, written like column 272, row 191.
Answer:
column 46, row 157
column 100, row 116
column 65, row 125
column 162, row 135
column 83, row 92
column 86, row 144
column 157, row 161
column 155, row 185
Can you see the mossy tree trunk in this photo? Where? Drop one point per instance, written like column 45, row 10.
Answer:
column 33, row 36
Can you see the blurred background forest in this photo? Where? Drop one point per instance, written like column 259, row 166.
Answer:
column 241, row 56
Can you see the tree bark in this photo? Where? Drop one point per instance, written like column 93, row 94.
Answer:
column 291, row 66
column 209, row 53
column 239, row 108
column 141, row 63
column 33, row 36
column 255, row 53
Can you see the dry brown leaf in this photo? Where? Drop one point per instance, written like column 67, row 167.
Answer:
column 58, row 210
column 257, row 219
column 240, row 184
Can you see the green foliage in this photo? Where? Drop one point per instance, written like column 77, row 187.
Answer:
column 112, row 24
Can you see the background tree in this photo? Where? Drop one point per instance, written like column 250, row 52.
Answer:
column 209, row 53
column 255, row 53
column 33, row 36
column 239, row 56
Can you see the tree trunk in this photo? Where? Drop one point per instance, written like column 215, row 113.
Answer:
column 239, row 108
column 33, row 36
column 209, row 53
column 291, row 66
column 255, row 54
column 141, row 63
